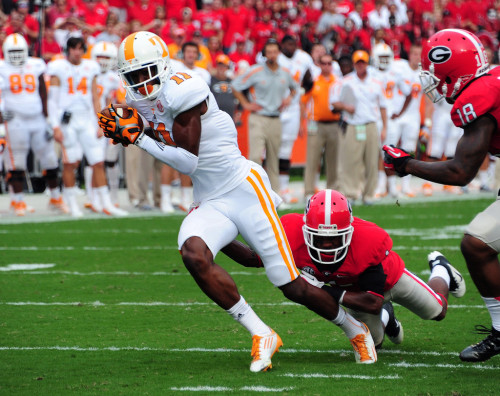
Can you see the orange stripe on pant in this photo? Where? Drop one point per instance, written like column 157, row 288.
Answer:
column 279, row 233
column 9, row 149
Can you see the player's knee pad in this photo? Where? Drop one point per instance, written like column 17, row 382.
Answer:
column 284, row 166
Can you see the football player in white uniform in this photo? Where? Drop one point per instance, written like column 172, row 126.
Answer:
column 108, row 82
column 396, row 91
column 299, row 63
column 232, row 195
column 73, row 102
column 24, row 109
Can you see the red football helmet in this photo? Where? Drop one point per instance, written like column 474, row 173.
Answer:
column 328, row 214
column 451, row 58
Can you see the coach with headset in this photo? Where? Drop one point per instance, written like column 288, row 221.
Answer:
column 270, row 84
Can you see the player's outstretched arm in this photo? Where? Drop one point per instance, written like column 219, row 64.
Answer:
column 469, row 155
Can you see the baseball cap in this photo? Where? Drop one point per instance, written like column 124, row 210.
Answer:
column 179, row 32
column 224, row 59
column 239, row 38
column 360, row 55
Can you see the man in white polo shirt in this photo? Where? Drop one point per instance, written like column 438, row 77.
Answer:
column 361, row 100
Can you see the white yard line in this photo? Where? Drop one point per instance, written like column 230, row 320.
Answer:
column 442, row 365
column 207, row 388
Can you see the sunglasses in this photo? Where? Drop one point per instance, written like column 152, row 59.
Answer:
column 326, row 63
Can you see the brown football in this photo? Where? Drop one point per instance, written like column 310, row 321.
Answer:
column 123, row 111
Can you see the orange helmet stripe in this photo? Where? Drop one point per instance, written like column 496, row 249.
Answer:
column 104, row 46
column 14, row 36
column 129, row 46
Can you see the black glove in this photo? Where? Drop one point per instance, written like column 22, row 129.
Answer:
column 395, row 159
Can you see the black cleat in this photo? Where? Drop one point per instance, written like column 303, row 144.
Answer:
column 394, row 329
column 457, row 283
column 484, row 349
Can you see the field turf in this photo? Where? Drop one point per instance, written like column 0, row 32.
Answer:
column 107, row 307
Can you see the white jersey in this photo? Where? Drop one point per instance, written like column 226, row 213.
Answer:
column 20, row 86
column 297, row 66
column 107, row 84
column 221, row 167
column 199, row 71
column 76, row 83
column 413, row 80
column 396, row 88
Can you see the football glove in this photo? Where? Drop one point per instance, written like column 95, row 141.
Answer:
column 312, row 280
column 396, row 159
column 119, row 129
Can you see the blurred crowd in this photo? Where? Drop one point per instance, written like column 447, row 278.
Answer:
column 221, row 40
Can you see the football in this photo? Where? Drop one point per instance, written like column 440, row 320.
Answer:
column 123, row 111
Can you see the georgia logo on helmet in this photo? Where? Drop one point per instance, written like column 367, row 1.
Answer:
column 143, row 54
column 451, row 58
column 328, row 214
column 15, row 49
column 105, row 54
column 382, row 56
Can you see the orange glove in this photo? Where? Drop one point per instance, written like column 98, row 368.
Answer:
column 3, row 143
column 119, row 129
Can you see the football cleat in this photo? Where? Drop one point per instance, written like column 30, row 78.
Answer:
column 166, row 206
column 394, row 328
column 114, row 211
column 484, row 349
column 364, row 348
column 263, row 349
column 58, row 204
column 19, row 208
column 457, row 283
column 288, row 198
column 427, row 189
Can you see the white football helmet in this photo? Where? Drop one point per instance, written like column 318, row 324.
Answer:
column 15, row 49
column 382, row 56
column 105, row 54
column 328, row 215
column 147, row 54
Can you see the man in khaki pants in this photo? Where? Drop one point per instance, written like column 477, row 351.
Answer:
column 362, row 101
column 323, row 129
column 269, row 83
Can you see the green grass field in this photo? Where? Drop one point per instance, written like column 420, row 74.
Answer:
column 112, row 310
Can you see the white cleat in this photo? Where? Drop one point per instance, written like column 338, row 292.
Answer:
column 457, row 283
column 263, row 349
column 114, row 211
column 364, row 347
column 76, row 213
column 166, row 206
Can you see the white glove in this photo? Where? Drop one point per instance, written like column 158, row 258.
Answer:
column 312, row 280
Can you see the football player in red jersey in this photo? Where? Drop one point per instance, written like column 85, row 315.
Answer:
column 455, row 66
column 352, row 259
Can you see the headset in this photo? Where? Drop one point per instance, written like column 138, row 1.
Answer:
column 73, row 43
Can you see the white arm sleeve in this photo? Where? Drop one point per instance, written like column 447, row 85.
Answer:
column 54, row 109
column 176, row 157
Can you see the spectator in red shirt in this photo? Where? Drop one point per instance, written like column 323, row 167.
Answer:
column 21, row 22
column 214, row 46
column 188, row 23
column 262, row 31
column 142, row 11
column 158, row 22
column 174, row 7
column 50, row 47
column 58, row 11
column 210, row 22
column 94, row 14
column 477, row 13
column 240, row 52
column 236, row 20
column 119, row 7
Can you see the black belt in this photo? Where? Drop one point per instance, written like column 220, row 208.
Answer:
column 328, row 122
column 269, row 116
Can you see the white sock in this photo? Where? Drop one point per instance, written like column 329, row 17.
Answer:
column 483, row 177
column 440, row 272
column 405, row 183
column 113, row 174
column 493, row 305
column 55, row 193
column 95, row 200
column 382, row 182
column 284, row 182
column 104, row 196
column 18, row 197
column 348, row 324
column 166, row 190
column 187, row 195
column 69, row 194
column 384, row 317
column 243, row 313
column 87, row 176
column 391, row 181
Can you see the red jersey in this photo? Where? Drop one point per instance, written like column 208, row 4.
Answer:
column 472, row 103
column 370, row 246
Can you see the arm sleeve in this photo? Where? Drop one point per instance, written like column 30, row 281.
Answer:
column 53, row 106
column 176, row 157
column 373, row 280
